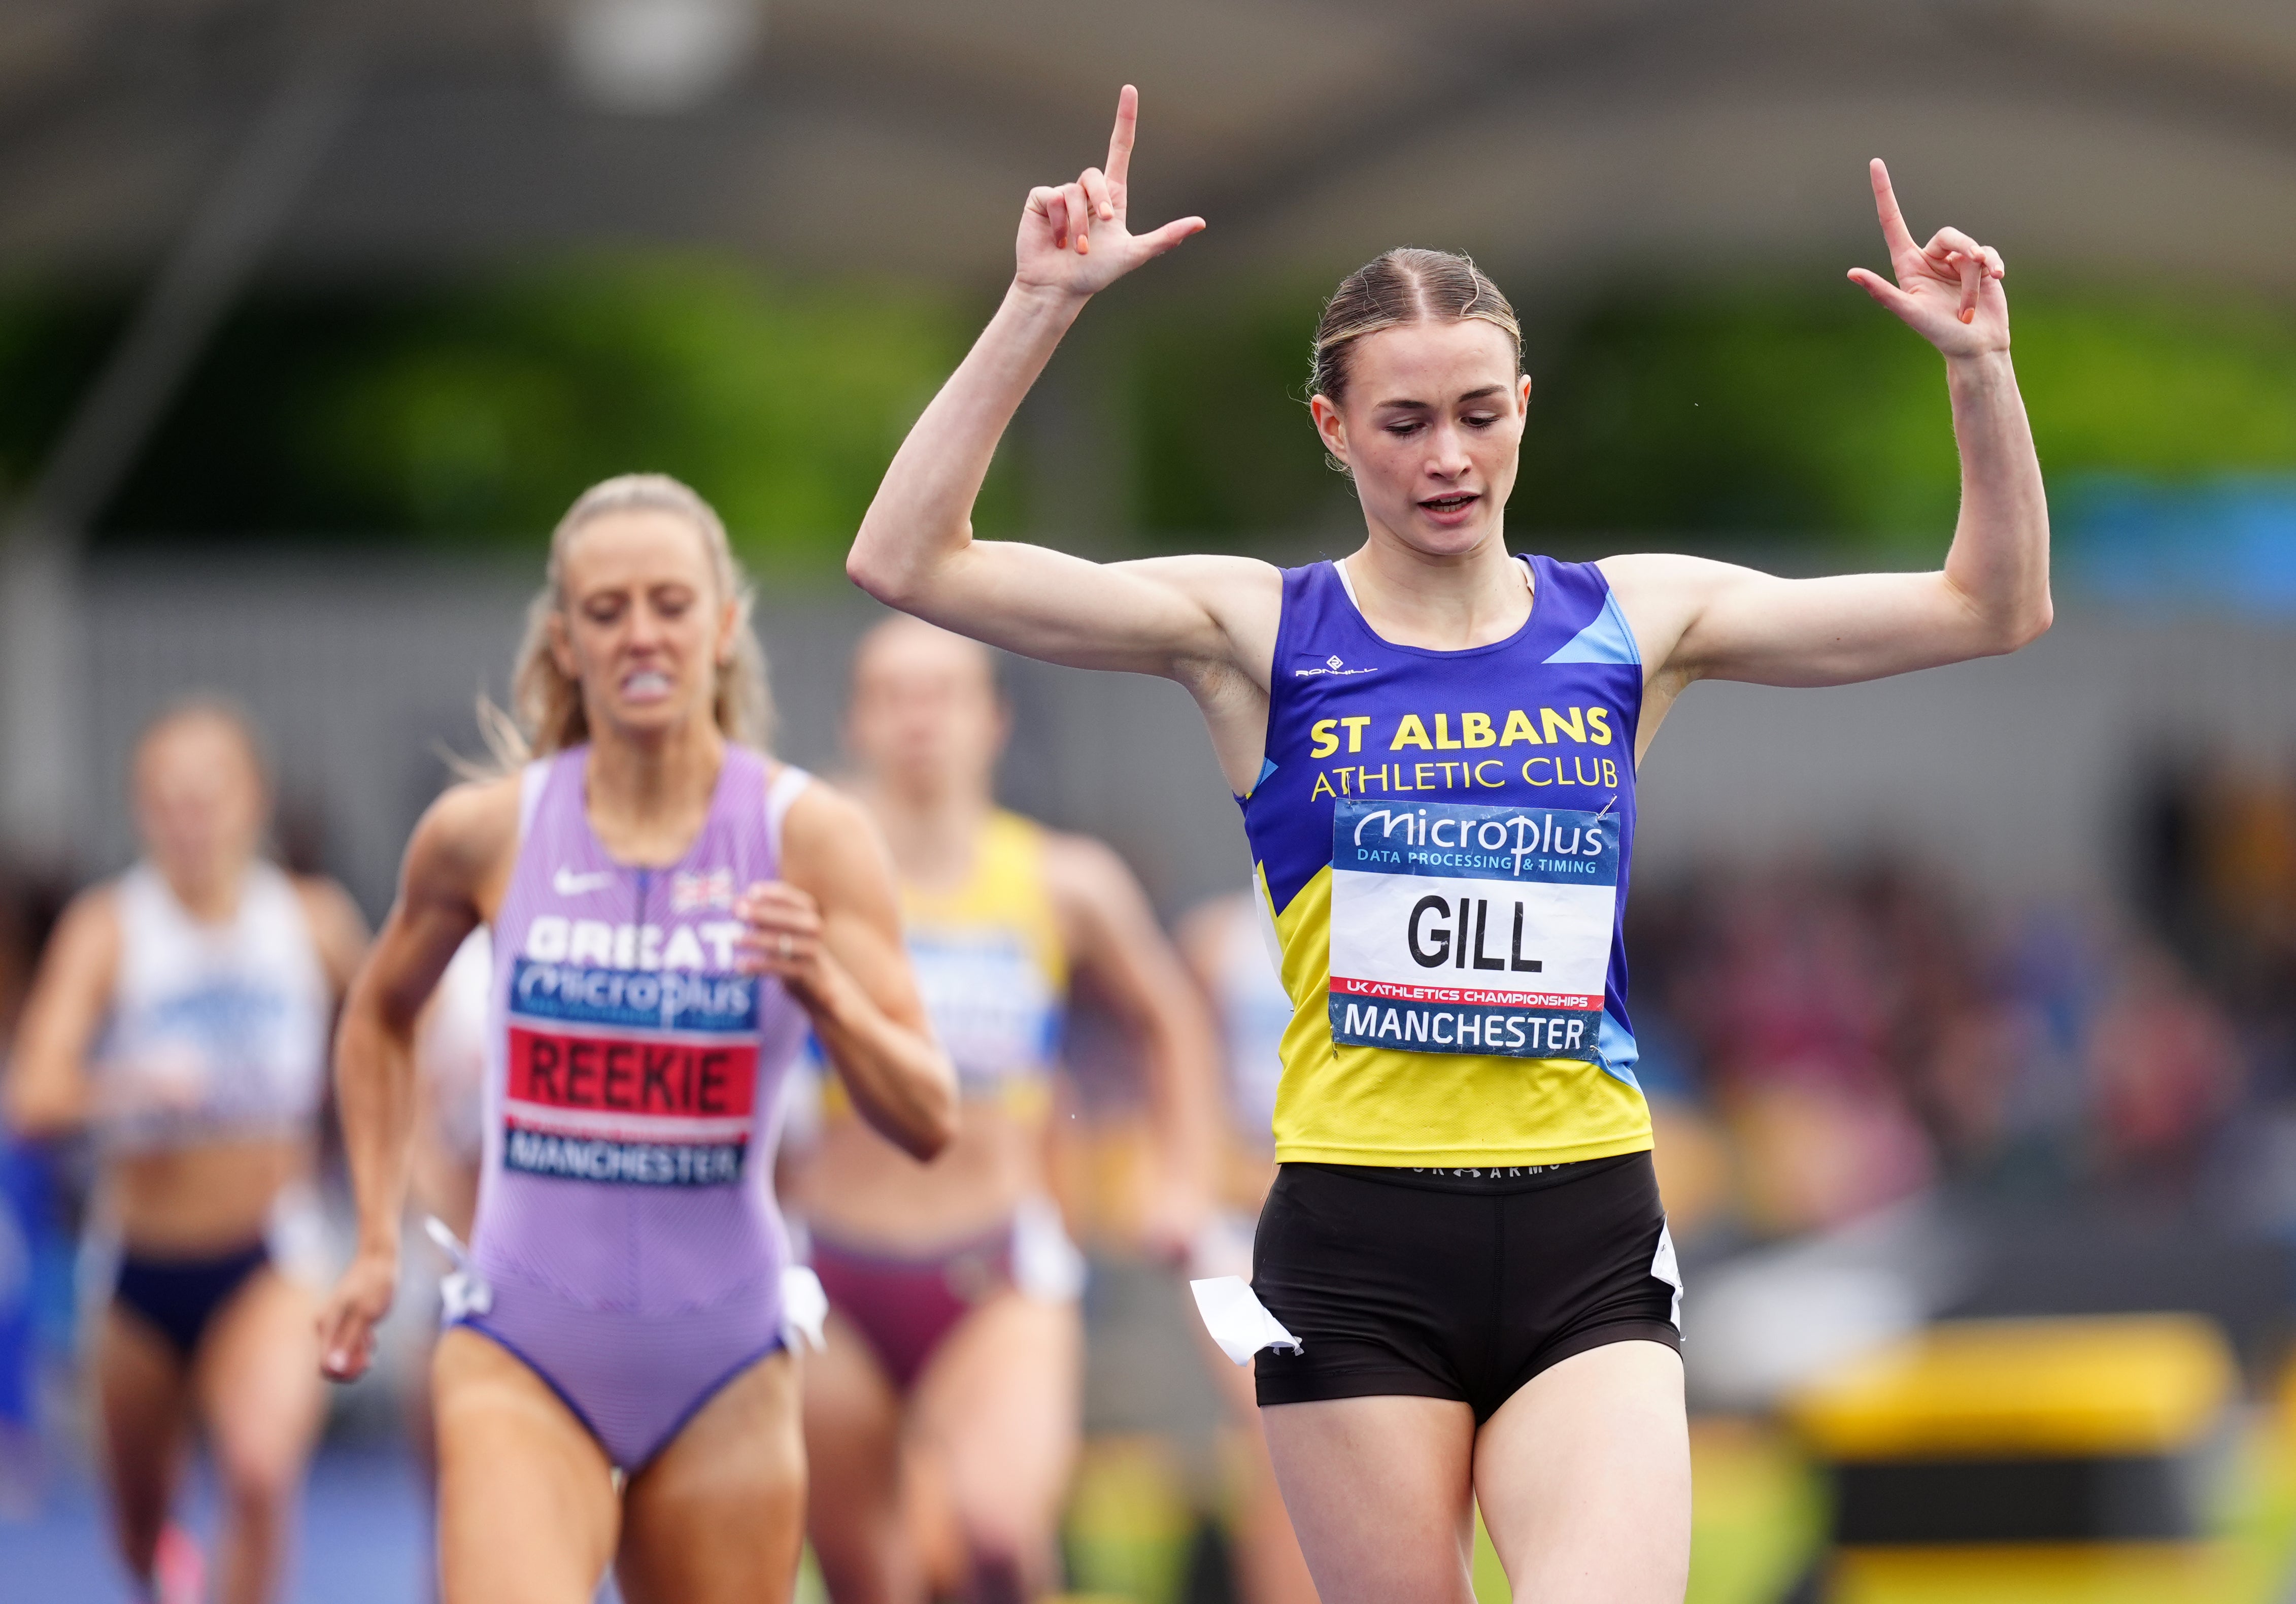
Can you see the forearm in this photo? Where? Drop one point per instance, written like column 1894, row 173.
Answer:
column 897, row 1076
column 1998, row 566
column 922, row 515
column 376, row 1090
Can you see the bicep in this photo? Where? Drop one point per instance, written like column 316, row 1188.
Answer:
column 1150, row 616
column 1696, row 619
column 454, row 853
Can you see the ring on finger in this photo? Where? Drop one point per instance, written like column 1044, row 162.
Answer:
column 788, row 946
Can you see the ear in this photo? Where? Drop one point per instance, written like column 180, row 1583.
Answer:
column 1522, row 393
column 729, row 624
column 1330, row 426
column 562, row 648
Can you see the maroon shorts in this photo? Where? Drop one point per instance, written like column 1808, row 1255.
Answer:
column 906, row 1307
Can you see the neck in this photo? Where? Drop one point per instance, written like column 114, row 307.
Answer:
column 931, row 832
column 646, row 798
column 209, row 898
column 1445, row 603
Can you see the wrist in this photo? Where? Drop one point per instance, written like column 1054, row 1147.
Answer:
column 1054, row 304
column 1979, row 370
column 379, row 1242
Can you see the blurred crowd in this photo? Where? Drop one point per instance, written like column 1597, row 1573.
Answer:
column 1823, row 1038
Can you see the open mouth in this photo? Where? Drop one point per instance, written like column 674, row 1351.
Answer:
column 1450, row 505
column 645, row 685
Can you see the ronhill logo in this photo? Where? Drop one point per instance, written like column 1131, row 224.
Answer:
column 1334, row 664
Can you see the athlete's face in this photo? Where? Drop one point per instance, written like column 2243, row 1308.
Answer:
column 925, row 719
column 200, row 802
column 1430, row 428
column 644, row 630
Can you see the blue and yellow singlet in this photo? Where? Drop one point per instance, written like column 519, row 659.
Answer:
column 1442, row 840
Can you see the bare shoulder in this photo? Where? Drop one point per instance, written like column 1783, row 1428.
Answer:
column 327, row 903
column 1086, row 871
column 466, row 837
column 87, row 935
column 830, row 845
column 337, row 925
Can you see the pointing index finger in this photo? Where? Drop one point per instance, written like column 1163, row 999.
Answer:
column 1894, row 232
column 1120, row 142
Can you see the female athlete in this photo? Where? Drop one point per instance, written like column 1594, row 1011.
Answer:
column 941, row 1421
column 1435, row 744
column 670, row 909
column 181, row 1016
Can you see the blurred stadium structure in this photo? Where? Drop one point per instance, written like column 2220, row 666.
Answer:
column 1967, row 994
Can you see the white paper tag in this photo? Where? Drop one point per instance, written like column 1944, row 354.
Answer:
column 1663, row 1266
column 1239, row 1323
column 463, row 1292
column 805, row 1308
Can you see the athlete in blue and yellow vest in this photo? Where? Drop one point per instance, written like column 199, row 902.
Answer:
column 1442, row 838
column 1461, row 1292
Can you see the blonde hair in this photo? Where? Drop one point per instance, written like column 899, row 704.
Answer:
column 546, row 713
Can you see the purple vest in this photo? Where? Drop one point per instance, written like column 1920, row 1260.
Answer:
column 634, row 1076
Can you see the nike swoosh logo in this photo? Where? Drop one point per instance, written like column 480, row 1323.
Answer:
column 566, row 882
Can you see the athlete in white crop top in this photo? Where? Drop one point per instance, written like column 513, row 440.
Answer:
column 180, row 1018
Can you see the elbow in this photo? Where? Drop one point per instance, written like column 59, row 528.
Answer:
column 935, row 1127
column 34, row 1118
column 874, row 571
column 2027, row 626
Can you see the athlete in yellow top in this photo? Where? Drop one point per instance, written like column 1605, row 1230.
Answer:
column 1435, row 745
column 948, row 1396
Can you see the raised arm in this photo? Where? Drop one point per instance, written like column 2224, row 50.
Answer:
column 451, row 879
column 1173, row 616
column 831, row 929
column 1114, row 938
column 1696, row 619
column 49, row 1093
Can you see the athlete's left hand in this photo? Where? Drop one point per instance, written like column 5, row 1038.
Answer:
column 1949, row 291
column 781, row 934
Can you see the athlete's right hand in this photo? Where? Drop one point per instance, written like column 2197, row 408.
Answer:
column 353, row 1309
column 1073, row 236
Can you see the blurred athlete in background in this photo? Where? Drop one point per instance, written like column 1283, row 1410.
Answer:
column 672, row 910
column 949, row 1393
column 181, row 1016
column 1228, row 944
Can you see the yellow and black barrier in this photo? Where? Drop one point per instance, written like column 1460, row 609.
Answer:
column 1986, row 1449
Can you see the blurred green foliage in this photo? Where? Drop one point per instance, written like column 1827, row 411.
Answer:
column 474, row 412
column 1731, row 413
column 460, row 413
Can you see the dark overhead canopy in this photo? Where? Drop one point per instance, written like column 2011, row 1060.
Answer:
column 2133, row 137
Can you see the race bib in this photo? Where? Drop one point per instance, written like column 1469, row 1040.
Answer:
column 1462, row 929
column 634, row 1077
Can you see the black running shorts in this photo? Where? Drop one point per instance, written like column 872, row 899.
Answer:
column 1455, row 1283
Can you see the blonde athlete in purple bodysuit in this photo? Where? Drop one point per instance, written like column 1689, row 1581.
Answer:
column 671, row 909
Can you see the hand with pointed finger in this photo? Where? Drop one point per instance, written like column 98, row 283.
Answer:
column 1075, row 238
column 1949, row 291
